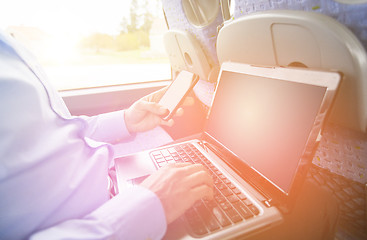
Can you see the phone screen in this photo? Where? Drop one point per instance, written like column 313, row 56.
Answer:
column 178, row 89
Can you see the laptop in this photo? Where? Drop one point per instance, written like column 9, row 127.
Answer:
column 260, row 135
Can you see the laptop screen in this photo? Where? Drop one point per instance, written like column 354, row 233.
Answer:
column 264, row 122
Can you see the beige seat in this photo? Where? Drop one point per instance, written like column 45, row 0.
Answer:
column 308, row 39
column 185, row 53
column 297, row 38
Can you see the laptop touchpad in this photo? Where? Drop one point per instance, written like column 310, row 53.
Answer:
column 134, row 166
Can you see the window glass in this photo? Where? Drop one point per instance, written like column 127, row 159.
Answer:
column 91, row 43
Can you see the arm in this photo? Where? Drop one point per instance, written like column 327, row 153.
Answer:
column 53, row 183
column 140, row 212
column 108, row 127
column 135, row 213
column 145, row 114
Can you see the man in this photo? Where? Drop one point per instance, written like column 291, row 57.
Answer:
column 54, row 167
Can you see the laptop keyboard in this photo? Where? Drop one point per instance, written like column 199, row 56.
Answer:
column 229, row 206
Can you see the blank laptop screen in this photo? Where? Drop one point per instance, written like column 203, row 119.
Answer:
column 265, row 122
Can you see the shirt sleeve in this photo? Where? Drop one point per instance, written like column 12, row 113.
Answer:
column 135, row 213
column 108, row 127
column 53, row 183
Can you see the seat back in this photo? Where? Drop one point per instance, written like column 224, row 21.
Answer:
column 190, row 41
column 308, row 39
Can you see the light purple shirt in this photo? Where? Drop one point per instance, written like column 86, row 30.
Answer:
column 53, row 167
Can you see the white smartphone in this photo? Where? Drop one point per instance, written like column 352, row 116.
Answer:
column 177, row 91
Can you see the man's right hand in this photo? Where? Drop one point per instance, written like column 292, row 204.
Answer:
column 179, row 186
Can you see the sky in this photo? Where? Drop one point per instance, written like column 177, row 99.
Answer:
column 65, row 17
column 65, row 22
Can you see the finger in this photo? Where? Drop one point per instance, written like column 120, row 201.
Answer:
column 192, row 168
column 179, row 112
column 202, row 191
column 189, row 101
column 187, row 169
column 176, row 166
column 152, row 107
column 168, row 123
column 155, row 96
column 197, row 179
column 180, row 165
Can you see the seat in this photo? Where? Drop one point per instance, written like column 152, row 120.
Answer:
column 252, row 34
column 309, row 39
column 298, row 38
column 190, row 41
column 185, row 53
column 190, row 45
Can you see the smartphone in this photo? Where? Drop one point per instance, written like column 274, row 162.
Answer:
column 177, row 92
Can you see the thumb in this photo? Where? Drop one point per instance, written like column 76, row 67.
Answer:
column 152, row 107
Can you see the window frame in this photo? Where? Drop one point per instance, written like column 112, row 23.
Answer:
column 97, row 100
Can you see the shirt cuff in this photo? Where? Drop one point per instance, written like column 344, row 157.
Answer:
column 109, row 127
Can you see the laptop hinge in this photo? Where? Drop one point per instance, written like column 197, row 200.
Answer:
column 267, row 203
column 264, row 198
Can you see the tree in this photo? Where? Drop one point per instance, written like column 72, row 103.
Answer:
column 98, row 41
column 148, row 21
column 134, row 16
column 124, row 23
column 141, row 16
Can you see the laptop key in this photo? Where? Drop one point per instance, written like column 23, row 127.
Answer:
column 217, row 181
column 211, row 166
column 225, row 206
column 233, row 215
column 165, row 153
column 177, row 158
column 158, row 160
column 243, row 210
column 232, row 199
column 226, row 192
column 236, row 191
column 254, row 209
column 207, row 217
column 162, row 164
column 172, row 150
column 188, row 160
column 156, row 153
column 222, row 176
column 221, row 217
column 169, row 158
column 247, row 202
column 226, row 181
column 195, row 223
column 198, row 228
column 242, row 196
column 210, row 204
column 219, row 198
column 220, row 185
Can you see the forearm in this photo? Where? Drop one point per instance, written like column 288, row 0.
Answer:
column 136, row 213
column 108, row 127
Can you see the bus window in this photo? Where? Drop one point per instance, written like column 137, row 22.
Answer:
column 83, row 44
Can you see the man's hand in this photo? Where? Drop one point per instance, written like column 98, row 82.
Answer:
column 179, row 186
column 146, row 114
